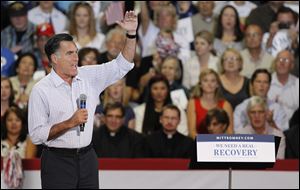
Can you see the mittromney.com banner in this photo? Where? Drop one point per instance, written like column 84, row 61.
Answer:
column 235, row 148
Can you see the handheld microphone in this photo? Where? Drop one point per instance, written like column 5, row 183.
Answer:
column 82, row 105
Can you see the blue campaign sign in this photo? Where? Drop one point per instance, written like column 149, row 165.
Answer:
column 235, row 148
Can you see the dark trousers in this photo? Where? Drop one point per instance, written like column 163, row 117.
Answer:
column 65, row 171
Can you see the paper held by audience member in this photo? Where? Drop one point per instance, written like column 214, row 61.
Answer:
column 114, row 13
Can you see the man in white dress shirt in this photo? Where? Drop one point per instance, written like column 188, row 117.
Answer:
column 285, row 86
column 68, row 159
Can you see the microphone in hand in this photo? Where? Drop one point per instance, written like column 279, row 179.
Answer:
column 82, row 105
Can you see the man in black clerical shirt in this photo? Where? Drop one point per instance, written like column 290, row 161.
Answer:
column 114, row 139
column 168, row 142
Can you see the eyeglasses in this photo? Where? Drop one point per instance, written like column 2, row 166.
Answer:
column 226, row 59
column 284, row 60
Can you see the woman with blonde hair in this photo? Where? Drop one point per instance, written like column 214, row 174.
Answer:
column 203, row 59
column 117, row 93
column 206, row 96
column 235, row 87
column 83, row 27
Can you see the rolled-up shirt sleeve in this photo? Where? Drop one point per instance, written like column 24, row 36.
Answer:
column 38, row 115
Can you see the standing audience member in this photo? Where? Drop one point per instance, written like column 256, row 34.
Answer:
column 257, row 112
column 168, row 142
column 254, row 56
column 83, row 27
column 114, row 139
column 264, row 15
column 114, row 42
column 228, row 32
column 203, row 59
column 205, row 19
column 243, row 8
column 206, row 96
column 284, row 87
column 43, row 34
column 14, row 135
column 18, row 37
column 235, row 87
column 47, row 13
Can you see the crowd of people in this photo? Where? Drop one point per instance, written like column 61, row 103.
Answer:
column 205, row 67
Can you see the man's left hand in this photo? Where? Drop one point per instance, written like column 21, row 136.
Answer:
column 129, row 23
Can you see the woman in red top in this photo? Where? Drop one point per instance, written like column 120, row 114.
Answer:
column 206, row 96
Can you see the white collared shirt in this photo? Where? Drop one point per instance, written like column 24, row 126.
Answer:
column 241, row 119
column 53, row 100
column 286, row 95
column 59, row 20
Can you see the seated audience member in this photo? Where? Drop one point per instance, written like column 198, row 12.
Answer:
column 203, row 59
column 116, row 93
column 168, row 142
column 83, row 27
column 216, row 121
column 206, row 96
column 284, row 87
column 23, row 83
column 88, row 56
column 260, row 83
column 235, row 87
column 7, row 96
column 114, row 139
column 205, row 18
column 18, row 37
column 147, row 114
column 254, row 56
column 47, row 13
column 228, row 32
column 257, row 113
column 14, row 135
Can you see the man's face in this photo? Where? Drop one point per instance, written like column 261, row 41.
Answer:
column 257, row 116
column 253, row 37
column 261, row 85
column 19, row 22
column 170, row 120
column 115, row 44
column 284, row 63
column 66, row 60
column 114, row 120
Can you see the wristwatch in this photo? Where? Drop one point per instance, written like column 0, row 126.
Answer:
column 130, row 36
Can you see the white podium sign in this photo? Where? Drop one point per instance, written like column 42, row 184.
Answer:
column 235, row 148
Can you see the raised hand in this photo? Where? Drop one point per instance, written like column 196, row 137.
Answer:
column 129, row 23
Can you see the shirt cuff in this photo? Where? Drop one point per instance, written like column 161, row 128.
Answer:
column 123, row 63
